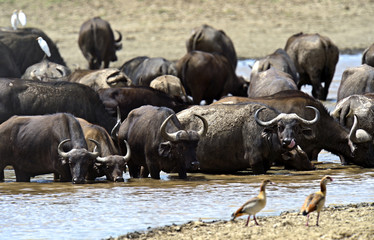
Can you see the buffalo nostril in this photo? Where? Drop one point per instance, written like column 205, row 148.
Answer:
column 78, row 180
column 119, row 179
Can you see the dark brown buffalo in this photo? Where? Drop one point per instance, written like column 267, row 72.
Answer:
column 142, row 70
column 25, row 97
column 97, row 43
column 368, row 56
column 25, row 48
column 101, row 78
column 209, row 76
column 244, row 135
column 327, row 134
column 36, row 145
column 208, row 39
column 109, row 163
column 278, row 60
column 356, row 80
column 129, row 98
column 269, row 81
column 315, row 58
column 159, row 143
column 46, row 71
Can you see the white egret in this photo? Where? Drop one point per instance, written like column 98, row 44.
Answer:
column 44, row 46
column 22, row 17
column 14, row 20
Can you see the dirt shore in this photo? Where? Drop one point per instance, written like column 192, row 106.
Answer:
column 158, row 28
column 353, row 221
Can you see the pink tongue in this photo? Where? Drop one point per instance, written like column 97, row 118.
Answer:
column 292, row 144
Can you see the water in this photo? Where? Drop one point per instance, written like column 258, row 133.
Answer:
column 44, row 209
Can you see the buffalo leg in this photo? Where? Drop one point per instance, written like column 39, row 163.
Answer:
column 21, row 176
column 2, row 175
column 144, row 172
column 154, row 170
column 134, row 170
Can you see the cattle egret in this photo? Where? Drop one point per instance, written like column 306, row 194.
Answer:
column 253, row 205
column 44, row 46
column 14, row 20
column 22, row 17
column 315, row 201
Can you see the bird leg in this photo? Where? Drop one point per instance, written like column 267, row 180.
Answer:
column 254, row 218
column 249, row 216
column 317, row 219
column 307, row 220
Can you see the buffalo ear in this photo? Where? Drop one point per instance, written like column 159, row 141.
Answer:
column 308, row 133
column 164, row 149
column 269, row 130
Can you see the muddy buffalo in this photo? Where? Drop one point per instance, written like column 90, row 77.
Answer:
column 242, row 136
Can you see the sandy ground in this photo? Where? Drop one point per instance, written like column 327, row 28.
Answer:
column 353, row 221
column 158, row 28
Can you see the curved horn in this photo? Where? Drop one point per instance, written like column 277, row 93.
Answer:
column 263, row 123
column 60, row 151
column 114, row 132
column 168, row 136
column 358, row 135
column 101, row 159
column 313, row 121
column 204, row 130
column 128, row 152
column 119, row 37
column 98, row 152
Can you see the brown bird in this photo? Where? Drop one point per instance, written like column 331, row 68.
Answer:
column 316, row 201
column 253, row 205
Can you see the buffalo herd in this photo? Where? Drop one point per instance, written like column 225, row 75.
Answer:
column 193, row 114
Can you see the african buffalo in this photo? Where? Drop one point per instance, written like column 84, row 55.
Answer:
column 237, row 139
column 101, row 78
column 109, row 163
column 46, row 71
column 361, row 106
column 25, row 48
column 36, row 145
column 159, row 143
column 350, row 147
column 278, row 60
column 270, row 81
column 170, row 85
column 315, row 58
column 356, row 80
column 207, row 39
column 24, row 97
column 97, row 43
column 209, row 76
column 129, row 98
column 368, row 56
column 142, row 70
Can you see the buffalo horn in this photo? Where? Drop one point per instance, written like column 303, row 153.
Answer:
column 168, row 136
column 60, row 151
column 288, row 116
column 97, row 153
column 204, row 130
column 128, row 152
column 358, row 135
column 114, row 132
column 119, row 37
column 101, row 159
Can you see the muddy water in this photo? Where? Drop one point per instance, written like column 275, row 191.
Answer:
column 43, row 209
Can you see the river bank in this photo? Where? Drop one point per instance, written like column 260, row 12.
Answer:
column 352, row 221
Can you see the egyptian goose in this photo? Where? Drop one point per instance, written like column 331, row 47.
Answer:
column 316, row 201
column 253, row 205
